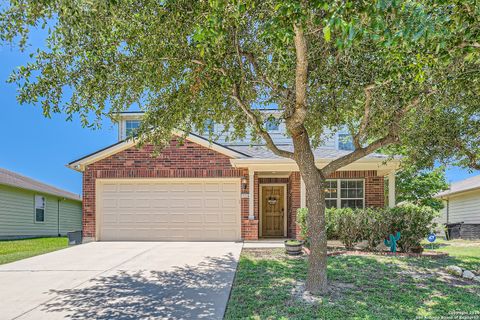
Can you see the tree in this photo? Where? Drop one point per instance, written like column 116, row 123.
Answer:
column 420, row 186
column 397, row 74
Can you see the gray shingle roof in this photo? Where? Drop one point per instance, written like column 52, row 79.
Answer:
column 263, row 152
column 13, row 179
column 461, row 186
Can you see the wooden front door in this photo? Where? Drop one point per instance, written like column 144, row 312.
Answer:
column 273, row 211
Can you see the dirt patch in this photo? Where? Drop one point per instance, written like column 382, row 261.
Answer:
column 336, row 290
column 269, row 253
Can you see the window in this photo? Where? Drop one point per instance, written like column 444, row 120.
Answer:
column 271, row 124
column 131, row 127
column 331, row 194
column 39, row 208
column 351, row 193
column 345, row 142
column 208, row 126
column 344, row 194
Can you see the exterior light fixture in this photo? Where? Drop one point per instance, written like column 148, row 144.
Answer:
column 244, row 183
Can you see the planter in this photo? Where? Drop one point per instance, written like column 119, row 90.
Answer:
column 293, row 247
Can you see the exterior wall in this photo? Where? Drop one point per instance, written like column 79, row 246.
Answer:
column 374, row 185
column 464, row 207
column 17, row 217
column 187, row 160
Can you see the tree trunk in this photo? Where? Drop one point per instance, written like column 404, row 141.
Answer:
column 314, row 185
column 317, row 262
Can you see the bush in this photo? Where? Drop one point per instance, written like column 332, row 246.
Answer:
column 375, row 224
column 348, row 226
column 414, row 223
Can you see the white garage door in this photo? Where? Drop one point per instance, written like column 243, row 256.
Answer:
column 168, row 209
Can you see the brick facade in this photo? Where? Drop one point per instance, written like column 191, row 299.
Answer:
column 187, row 160
column 190, row 160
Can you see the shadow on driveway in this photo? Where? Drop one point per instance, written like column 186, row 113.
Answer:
column 187, row 292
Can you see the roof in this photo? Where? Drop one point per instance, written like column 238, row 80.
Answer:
column 80, row 163
column 13, row 179
column 320, row 153
column 461, row 186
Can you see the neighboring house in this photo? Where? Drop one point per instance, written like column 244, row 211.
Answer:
column 461, row 210
column 29, row 208
column 220, row 190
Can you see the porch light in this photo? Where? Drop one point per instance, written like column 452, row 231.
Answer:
column 244, row 183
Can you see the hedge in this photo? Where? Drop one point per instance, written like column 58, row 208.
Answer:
column 351, row 226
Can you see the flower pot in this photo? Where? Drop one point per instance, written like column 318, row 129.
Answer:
column 293, row 247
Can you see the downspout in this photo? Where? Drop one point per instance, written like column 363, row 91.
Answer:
column 58, row 217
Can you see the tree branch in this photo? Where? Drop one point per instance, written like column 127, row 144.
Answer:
column 358, row 154
column 257, row 123
column 296, row 117
column 366, row 117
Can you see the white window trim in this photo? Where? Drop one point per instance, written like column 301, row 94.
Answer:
column 35, row 208
column 125, row 126
column 339, row 193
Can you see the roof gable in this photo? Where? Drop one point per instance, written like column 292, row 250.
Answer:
column 80, row 164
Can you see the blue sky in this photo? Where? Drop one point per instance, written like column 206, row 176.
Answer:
column 39, row 147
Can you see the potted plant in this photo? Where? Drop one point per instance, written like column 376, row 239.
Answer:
column 293, row 247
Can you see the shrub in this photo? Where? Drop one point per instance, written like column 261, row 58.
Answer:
column 331, row 224
column 302, row 222
column 374, row 226
column 414, row 223
column 348, row 226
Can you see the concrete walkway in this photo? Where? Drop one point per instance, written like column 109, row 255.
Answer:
column 122, row 280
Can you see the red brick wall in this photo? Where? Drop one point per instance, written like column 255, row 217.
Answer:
column 188, row 160
column 374, row 185
column 295, row 201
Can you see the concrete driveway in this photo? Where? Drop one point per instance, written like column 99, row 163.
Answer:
column 122, row 280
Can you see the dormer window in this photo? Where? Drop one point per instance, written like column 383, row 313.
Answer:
column 131, row 127
column 345, row 142
column 208, row 126
column 271, row 125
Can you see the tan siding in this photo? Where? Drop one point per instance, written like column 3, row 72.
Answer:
column 17, row 213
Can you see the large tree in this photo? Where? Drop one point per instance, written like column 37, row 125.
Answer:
column 421, row 185
column 397, row 74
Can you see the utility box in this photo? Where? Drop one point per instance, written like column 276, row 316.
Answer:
column 74, row 237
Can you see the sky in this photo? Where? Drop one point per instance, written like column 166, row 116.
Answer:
column 40, row 148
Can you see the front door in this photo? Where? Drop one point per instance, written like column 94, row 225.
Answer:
column 273, row 211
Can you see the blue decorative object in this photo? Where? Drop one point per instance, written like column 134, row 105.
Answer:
column 431, row 237
column 392, row 243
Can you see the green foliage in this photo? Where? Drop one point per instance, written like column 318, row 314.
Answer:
column 414, row 222
column 374, row 225
column 302, row 214
column 420, row 186
column 179, row 61
column 348, row 226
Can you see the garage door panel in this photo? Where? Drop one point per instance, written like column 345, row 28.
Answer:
column 187, row 209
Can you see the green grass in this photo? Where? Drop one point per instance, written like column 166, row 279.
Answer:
column 361, row 287
column 13, row 250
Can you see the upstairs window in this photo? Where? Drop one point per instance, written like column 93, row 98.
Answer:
column 345, row 142
column 271, row 125
column 344, row 194
column 131, row 127
column 40, row 208
column 208, row 126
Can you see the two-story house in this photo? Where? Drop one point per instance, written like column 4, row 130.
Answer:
column 222, row 190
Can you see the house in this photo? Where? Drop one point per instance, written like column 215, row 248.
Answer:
column 30, row 208
column 222, row 190
column 461, row 210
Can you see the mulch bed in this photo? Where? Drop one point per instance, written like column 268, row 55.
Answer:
column 383, row 253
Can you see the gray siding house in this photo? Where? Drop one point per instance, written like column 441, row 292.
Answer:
column 29, row 208
column 461, row 210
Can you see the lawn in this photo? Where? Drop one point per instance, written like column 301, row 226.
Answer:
column 361, row 287
column 13, row 250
